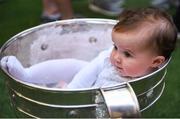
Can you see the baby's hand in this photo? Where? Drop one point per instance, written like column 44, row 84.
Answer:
column 61, row 84
column 12, row 65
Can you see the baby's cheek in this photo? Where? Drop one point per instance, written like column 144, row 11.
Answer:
column 130, row 70
column 135, row 72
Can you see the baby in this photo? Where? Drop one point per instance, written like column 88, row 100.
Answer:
column 143, row 40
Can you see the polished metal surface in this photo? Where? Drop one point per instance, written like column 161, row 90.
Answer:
column 82, row 39
column 124, row 103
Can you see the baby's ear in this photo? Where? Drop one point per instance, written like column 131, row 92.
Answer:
column 157, row 61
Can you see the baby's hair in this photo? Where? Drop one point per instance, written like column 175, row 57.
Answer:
column 163, row 35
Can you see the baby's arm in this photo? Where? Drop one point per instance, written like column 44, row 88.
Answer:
column 46, row 72
column 86, row 77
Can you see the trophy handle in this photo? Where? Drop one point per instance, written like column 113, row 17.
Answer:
column 121, row 101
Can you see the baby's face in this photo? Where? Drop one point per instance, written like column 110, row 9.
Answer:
column 129, row 56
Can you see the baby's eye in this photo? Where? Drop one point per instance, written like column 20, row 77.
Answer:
column 115, row 47
column 127, row 54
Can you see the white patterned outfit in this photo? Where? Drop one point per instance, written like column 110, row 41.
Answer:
column 98, row 73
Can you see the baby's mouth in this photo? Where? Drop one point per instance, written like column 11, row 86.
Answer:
column 119, row 69
column 121, row 72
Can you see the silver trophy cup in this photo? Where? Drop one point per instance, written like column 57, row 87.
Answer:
column 82, row 39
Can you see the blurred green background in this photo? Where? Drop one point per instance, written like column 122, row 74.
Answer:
column 18, row 15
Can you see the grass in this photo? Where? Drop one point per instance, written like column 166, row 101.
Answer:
column 18, row 15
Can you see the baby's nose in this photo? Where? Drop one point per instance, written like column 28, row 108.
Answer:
column 117, row 57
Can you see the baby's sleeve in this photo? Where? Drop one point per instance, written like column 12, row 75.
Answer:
column 87, row 76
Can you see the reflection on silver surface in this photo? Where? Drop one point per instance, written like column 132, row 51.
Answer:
column 124, row 103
